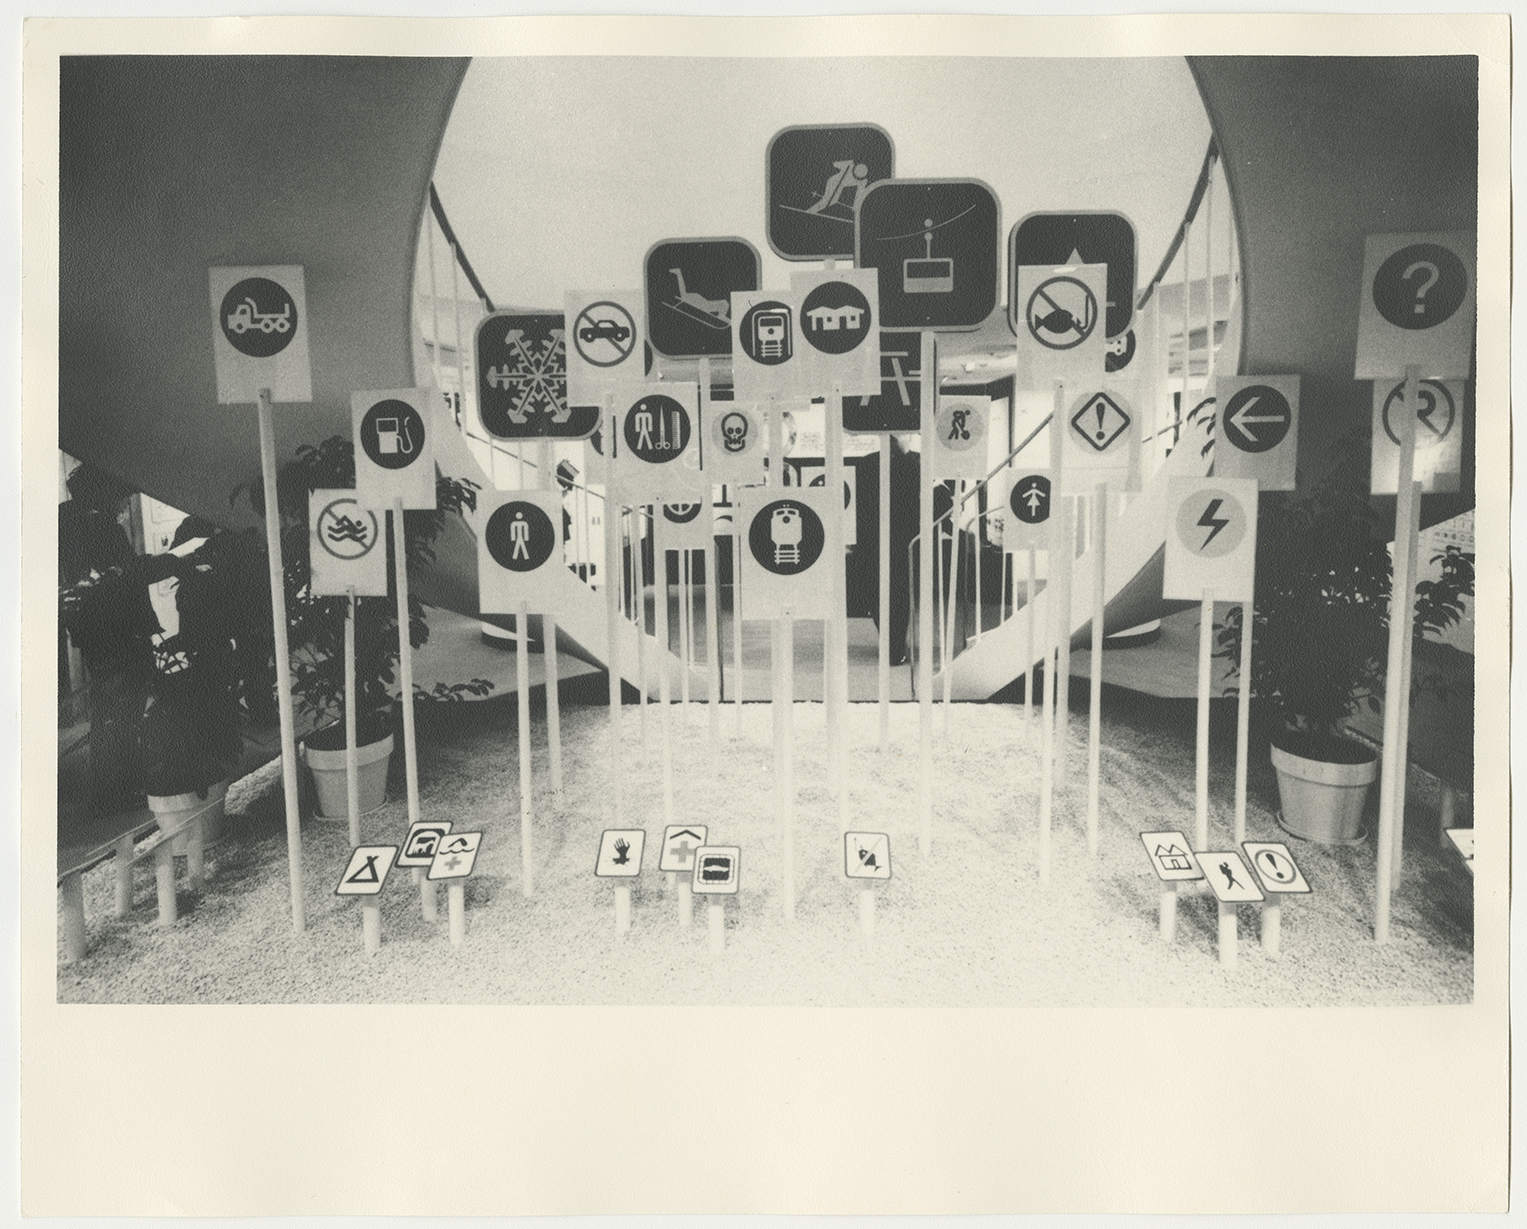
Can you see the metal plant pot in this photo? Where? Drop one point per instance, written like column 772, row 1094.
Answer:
column 328, row 769
column 1323, row 801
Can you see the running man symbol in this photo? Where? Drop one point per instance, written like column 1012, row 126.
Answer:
column 1230, row 879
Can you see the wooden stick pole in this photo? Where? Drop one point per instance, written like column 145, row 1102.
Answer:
column 737, row 615
column 1095, row 691
column 867, row 912
column 164, row 882
column 122, row 875
column 951, row 589
column 622, row 909
column 787, row 760
column 717, row 927
column 1272, row 923
column 1047, row 760
column 406, row 661
column 352, row 765
column 522, row 685
column 660, row 605
column 613, row 581
column 835, row 627
column 712, row 638
column 456, row 907
column 1402, row 767
column 686, row 638
column 1227, row 935
column 1065, row 560
column 371, row 925
column 1243, row 721
column 884, row 600
column 1029, row 698
column 1168, row 920
column 928, row 391
column 685, row 897
column 429, row 901
column 549, row 666
column 283, row 666
column 1201, row 758
column 1400, row 600
column 639, row 604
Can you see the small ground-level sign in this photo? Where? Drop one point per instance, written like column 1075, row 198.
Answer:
column 1227, row 875
column 1100, row 440
column 260, row 333
column 345, row 546
column 1258, row 429
column 961, row 432
column 867, row 855
column 937, row 246
column 718, row 870
column 1059, row 321
column 1275, row 866
column 1171, row 856
column 366, row 871
column 1417, row 306
column 522, row 379
column 423, row 839
column 815, row 175
column 519, row 550
column 394, row 450
column 898, row 405
column 839, row 330
column 603, row 343
column 680, row 842
column 657, row 454
column 785, row 564
column 689, row 287
column 1463, row 842
column 1211, row 539
column 620, row 853
column 1439, row 435
column 1026, row 516
column 1079, row 239
column 456, row 856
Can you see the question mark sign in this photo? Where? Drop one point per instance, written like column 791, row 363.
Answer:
column 1430, row 273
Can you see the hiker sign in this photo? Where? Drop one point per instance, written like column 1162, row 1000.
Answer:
column 346, row 547
column 260, row 333
column 519, row 550
column 394, row 452
column 1258, row 429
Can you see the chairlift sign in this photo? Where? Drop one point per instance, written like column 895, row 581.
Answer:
column 260, row 333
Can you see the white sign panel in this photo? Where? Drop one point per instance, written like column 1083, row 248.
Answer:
column 718, row 870
column 867, row 855
column 519, row 550
column 260, row 333
column 850, row 501
column 1439, row 435
column 1228, row 877
column 1100, row 441
column 1258, row 433
column 1026, row 510
column 687, row 526
column 394, row 453
column 1171, row 856
column 657, row 454
column 1211, row 539
column 680, row 842
column 736, row 442
column 961, row 435
column 366, row 871
column 604, row 344
column 620, row 853
column 347, row 546
column 1061, row 323
column 1417, row 305
column 785, row 563
column 766, row 345
column 456, row 856
column 423, row 839
column 1275, row 866
column 839, row 330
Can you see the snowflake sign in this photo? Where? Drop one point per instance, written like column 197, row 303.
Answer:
column 522, row 379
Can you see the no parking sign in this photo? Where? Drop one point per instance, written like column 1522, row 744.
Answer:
column 519, row 550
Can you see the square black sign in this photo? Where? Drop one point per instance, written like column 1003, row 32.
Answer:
column 689, row 293
column 895, row 408
column 816, row 174
column 1094, row 239
column 522, row 379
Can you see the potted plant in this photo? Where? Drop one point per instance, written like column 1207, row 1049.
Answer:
column 1320, row 641
column 317, row 629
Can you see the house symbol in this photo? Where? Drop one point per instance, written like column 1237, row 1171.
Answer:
column 1173, row 859
column 831, row 319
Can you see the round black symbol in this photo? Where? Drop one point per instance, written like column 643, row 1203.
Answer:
column 1062, row 313
column 258, row 316
column 346, row 530
column 1257, row 418
column 1030, row 500
column 657, row 429
column 960, row 427
column 848, row 491
column 1420, row 286
column 734, row 432
column 1433, row 420
column 767, row 333
column 836, row 317
column 604, row 334
column 1117, row 351
column 786, row 537
column 1211, row 523
column 519, row 536
column 392, row 434
column 681, row 514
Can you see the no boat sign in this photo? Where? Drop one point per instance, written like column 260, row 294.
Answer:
column 603, row 343
column 785, row 563
column 1275, row 866
column 620, row 853
column 455, row 856
column 839, row 330
column 657, row 453
column 961, row 434
column 1100, row 441
column 1439, row 435
column 867, row 855
column 1417, row 305
column 519, row 550
column 394, row 450
column 260, row 333
column 1171, row 856
column 422, row 841
column 1211, row 539
column 346, row 546
column 366, row 871
column 1026, row 516
column 1060, row 319
column 718, row 870
column 1258, row 429
column 680, row 843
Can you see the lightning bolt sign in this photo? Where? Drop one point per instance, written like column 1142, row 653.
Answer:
column 1211, row 522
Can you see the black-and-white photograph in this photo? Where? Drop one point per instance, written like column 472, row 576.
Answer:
column 906, row 530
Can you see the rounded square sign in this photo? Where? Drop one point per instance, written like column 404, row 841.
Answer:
column 718, row 870
column 1079, row 239
column 347, row 546
column 620, row 853
column 1258, row 435
column 867, row 855
column 814, row 176
column 1171, row 856
column 1275, row 867
column 521, row 363
column 936, row 244
column 394, row 451
column 455, row 856
column 897, row 407
column 366, row 871
column 423, row 839
column 260, row 333
column 1211, row 539
column 689, row 288
column 1228, row 877
column 1417, row 305
column 519, row 550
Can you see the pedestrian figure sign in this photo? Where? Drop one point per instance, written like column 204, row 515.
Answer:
column 1211, row 539
column 345, row 549
column 1100, row 439
column 1439, row 435
column 260, row 333
column 867, row 855
column 366, row 871
column 1026, row 519
column 960, row 437
column 1171, row 856
column 605, row 353
column 656, row 452
column 1059, row 323
column 620, row 853
column 1228, row 877
column 840, row 343
column 394, row 451
column 1258, row 429
column 816, row 175
column 522, row 379
column 1417, row 306
column 519, row 550
column 1056, row 239
column 1275, row 866
column 690, row 283
column 680, row 843
column 718, row 870
column 456, row 856
column 898, row 404
column 423, row 840
column 785, row 568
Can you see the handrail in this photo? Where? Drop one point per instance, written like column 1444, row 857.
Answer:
column 1211, row 156
column 450, row 237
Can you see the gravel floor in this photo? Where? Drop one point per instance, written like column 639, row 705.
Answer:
column 968, row 925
